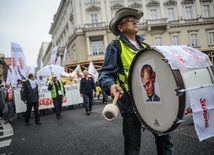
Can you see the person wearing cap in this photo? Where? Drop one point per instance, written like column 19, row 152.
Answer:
column 30, row 96
column 114, row 73
column 57, row 93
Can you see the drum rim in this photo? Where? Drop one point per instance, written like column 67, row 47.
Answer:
column 181, row 99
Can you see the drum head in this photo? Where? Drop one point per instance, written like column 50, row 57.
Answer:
column 160, row 111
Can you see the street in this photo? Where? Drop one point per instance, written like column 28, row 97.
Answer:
column 78, row 134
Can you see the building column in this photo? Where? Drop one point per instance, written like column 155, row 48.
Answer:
column 198, row 9
column 162, row 11
column 180, row 10
column 88, row 44
column 105, row 42
column 145, row 12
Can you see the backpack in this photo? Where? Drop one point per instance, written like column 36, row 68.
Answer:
column 22, row 94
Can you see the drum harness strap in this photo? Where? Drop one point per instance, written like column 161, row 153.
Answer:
column 122, row 78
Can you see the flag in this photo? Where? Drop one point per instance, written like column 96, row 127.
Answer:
column 202, row 104
column 77, row 72
column 18, row 62
column 41, row 64
column 64, row 56
column 9, row 76
column 58, row 61
column 53, row 55
column 92, row 70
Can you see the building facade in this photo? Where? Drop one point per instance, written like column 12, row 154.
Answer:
column 3, row 67
column 82, row 26
column 40, row 56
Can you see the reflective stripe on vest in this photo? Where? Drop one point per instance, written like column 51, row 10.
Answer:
column 127, row 55
column 53, row 91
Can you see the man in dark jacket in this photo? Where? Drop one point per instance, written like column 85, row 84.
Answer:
column 114, row 75
column 87, row 86
column 30, row 96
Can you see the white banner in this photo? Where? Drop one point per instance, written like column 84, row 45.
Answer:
column 58, row 61
column 53, row 55
column 64, row 56
column 45, row 101
column 202, row 103
column 184, row 56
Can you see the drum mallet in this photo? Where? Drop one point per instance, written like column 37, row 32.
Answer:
column 110, row 111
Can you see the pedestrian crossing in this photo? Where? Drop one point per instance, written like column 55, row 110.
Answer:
column 6, row 133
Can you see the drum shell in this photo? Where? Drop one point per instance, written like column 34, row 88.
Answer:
column 175, row 108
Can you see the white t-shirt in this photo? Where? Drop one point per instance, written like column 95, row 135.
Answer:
column 135, row 44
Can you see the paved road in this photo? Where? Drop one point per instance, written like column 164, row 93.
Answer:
column 79, row 134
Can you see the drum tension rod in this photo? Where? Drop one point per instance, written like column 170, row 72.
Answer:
column 144, row 127
column 179, row 91
column 166, row 60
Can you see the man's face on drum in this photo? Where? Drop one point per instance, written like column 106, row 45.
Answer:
column 148, row 82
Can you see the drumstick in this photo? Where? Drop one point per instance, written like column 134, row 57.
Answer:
column 110, row 111
column 116, row 97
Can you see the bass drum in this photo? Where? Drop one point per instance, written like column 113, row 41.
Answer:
column 155, row 96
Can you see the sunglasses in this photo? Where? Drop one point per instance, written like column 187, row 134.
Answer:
column 130, row 20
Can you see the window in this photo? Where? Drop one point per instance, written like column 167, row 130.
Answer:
column 175, row 40
column 211, row 38
column 153, row 13
column 194, row 40
column 189, row 12
column 91, row 1
column 97, row 47
column 206, row 9
column 94, row 18
column 170, row 14
column 158, row 41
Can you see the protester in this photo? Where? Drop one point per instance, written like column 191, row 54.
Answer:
column 30, row 96
column 1, row 99
column 98, row 90
column 19, row 83
column 8, row 103
column 19, row 86
column 114, row 76
column 87, row 87
column 41, row 83
column 57, row 92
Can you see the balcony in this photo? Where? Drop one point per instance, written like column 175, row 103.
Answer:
column 152, row 24
column 95, row 26
column 190, row 22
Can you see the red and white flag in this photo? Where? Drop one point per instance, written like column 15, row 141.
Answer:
column 202, row 104
column 18, row 61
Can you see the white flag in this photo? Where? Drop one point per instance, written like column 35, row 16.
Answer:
column 202, row 104
column 64, row 56
column 53, row 55
column 41, row 64
column 18, row 61
column 92, row 70
column 58, row 61
column 9, row 76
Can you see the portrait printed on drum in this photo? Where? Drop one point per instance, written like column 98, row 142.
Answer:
column 149, row 86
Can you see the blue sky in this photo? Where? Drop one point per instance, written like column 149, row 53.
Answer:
column 26, row 22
